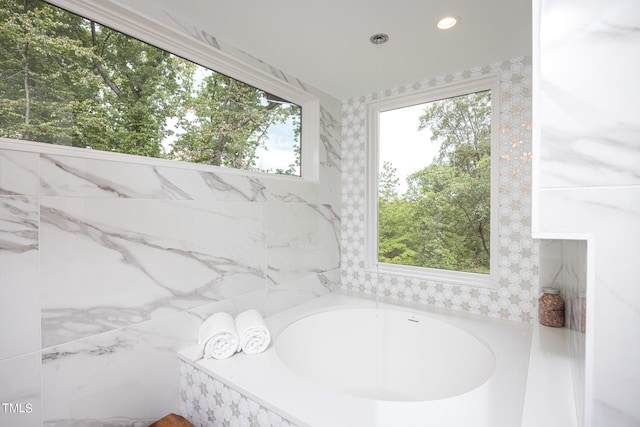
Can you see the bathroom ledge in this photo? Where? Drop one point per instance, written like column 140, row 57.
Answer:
column 264, row 378
column 549, row 397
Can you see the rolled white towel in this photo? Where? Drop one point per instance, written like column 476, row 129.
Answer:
column 218, row 337
column 252, row 331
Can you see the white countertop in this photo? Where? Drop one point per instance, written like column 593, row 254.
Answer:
column 549, row 400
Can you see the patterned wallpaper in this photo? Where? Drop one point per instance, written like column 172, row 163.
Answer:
column 515, row 297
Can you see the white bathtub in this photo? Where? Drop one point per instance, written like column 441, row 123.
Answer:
column 385, row 354
column 345, row 361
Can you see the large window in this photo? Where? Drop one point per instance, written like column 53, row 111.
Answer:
column 67, row 80
column 431, row 173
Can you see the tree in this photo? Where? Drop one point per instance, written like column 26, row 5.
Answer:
column 462, row 128
column 447, row 203
column 394, row 220
column 224, row 121
column 139, row 85
column 41, row 76
column 459, row 180
column 68, row 80
column 388, row 182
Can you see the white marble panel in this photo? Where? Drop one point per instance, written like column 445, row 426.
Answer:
column 18, row 172
column 302, row 239
column 291, row 190
column 590, row 131
column 20, row 391
column 330, row 157
column 109, row 263
column 613, row 216
column 274, row 299
column 127, row 377
column 575, row 296
column 82, row 177
column 551, row 263
column 19, row 291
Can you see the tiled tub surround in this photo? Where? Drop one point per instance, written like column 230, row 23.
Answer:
column 109, row 265
column 244, row 387
column 514, row 297
column 209, row 402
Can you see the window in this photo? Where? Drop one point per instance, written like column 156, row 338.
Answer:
column 68, row 80
column 431, row 183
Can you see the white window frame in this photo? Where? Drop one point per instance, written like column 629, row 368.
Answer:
column 120, row 18
column 373, row 108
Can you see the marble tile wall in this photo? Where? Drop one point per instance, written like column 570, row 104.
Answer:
column 20, row 365
column 108, row 267
column 515, row 296
column 587, row 162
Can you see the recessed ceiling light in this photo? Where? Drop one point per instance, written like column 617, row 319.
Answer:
column 448, row 22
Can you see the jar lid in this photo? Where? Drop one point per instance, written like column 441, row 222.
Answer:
column 554, row 291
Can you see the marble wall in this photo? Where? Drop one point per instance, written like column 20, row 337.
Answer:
column 514, row 297
column 587, row 154
column 109, row 265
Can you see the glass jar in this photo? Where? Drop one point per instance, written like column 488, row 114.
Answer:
column 551, row 308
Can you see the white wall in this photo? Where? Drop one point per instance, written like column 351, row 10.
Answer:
column 587, row 180
column 108, row 267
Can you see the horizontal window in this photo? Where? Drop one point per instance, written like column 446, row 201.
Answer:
column 68, row 80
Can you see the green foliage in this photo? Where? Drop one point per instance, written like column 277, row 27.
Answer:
column 443, row 220
column 71, row 81
column 224, row 122
column 40, row 78
column 388, row 182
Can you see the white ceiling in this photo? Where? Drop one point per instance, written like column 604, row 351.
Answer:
column 326, row 43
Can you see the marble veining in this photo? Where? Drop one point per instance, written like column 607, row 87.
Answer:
column 253, row 189
column 86, row 178
column 76, row 177
column 195, row 32
column 78, row 382
column 18, row 224
column 101, row 274
column 588, row 87
column 19, row 284
column 301, row 239
column 18, row 173
column 330, row 139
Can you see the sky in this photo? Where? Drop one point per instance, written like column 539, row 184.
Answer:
column 401, row 144
column 279, row 153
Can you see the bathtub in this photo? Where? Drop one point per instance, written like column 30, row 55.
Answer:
column 341, row 360
column 385, row 354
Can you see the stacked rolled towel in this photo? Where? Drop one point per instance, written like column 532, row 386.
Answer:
column 218, row 337
column 253, row 332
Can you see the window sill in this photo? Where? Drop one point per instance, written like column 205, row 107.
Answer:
column 436, row 275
